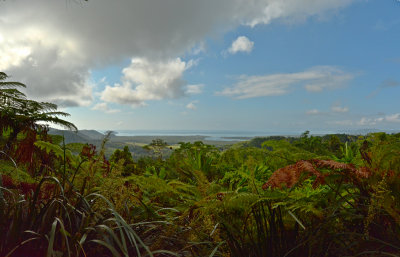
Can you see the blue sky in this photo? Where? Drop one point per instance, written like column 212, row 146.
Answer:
column 276, row 66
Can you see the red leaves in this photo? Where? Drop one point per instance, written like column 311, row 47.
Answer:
column 88, row 151
column 7, row 181
column 367, row 156
column 24, row 187
column 28, row 189
column 220, row 196
column 363, row 172
column 106, row 165
column 26, row 147
column 27, row 153
column 290, row 175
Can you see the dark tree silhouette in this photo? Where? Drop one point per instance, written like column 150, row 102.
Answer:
column 19, row 114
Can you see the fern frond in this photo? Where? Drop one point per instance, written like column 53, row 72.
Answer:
column 290, row 175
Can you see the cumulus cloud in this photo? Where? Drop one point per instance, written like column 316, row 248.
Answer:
column 53, row 45
column 315, row 79
column 192, row 105
column 53, row 70
column 241, row 44
column 147, row 80
column 104, row 108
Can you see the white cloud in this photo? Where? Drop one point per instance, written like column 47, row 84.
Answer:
column 314, row 80
column 339, row 109
column 13, row 56
column 325, row 77
column 365, row 121
column 52, row 69
column 369, row 121
column 241, row 44
column 391, row 118
column 147, row 80
column 194, row 89
column 104, row 108
column 53, row 45
column 192, row 105
column 199, row 48
column 103, row 80
column 292, row 10
column 313, row 112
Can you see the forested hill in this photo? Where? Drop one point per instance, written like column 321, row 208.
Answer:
column 81, row 136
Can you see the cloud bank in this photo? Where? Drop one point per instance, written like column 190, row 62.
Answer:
column 52, row 46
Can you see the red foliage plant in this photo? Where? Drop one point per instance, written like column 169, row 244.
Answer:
column 106, row 165
column 290, row 175
column 88, row 151
column 7, row 181
column 28, row 189
column 26, row 152
column 25, row 149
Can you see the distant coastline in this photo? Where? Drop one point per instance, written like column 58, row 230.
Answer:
column 214, row 137
column 231, row 135
column 207, row 135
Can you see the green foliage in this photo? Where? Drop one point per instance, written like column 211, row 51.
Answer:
column 125, row 154
column 258, row 141
column 19, row 113
column 203, row 201
column 282, row 153
column 69, row 200
column 56, row 149
column 190, row 159
column 125, row 157
column 8, row 168
column 21, row 124
column 64, row 225
column 157, row 146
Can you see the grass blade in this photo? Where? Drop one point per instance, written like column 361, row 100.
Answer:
column 51, row 239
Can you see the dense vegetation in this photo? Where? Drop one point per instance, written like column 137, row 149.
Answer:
column 336, row 195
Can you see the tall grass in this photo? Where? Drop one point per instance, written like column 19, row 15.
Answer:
column 64, row 226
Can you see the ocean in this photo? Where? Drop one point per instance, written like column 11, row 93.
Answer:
column 212, row 135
